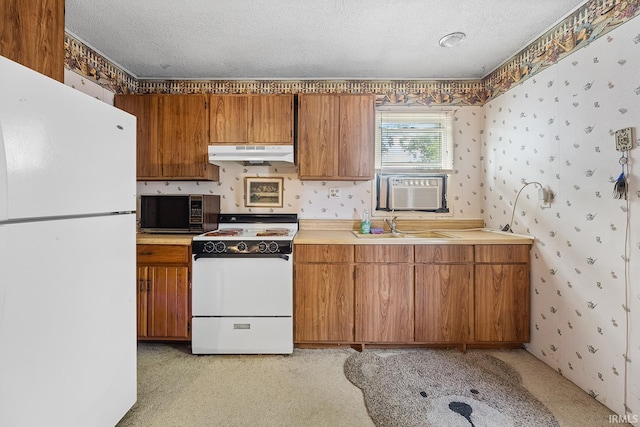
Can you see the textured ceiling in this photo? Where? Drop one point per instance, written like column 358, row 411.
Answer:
column 320, row 39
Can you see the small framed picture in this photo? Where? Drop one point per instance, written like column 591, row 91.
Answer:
column 263, row 192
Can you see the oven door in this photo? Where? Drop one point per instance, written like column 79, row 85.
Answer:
column 242, row 285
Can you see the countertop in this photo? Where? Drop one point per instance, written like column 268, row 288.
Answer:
column 456, row 237
column 164, row 239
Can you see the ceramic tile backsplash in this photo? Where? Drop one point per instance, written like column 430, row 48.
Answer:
column 557, row 128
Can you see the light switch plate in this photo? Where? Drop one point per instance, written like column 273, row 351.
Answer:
column 624, row 139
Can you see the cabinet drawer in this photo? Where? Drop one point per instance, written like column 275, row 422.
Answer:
column 384, row 253
column 323, row 253
column 495, row 254
column 444, row 254
column 162, row 254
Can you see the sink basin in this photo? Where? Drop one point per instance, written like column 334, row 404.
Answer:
column 421, row 235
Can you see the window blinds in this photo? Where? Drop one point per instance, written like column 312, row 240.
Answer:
column 414, row 140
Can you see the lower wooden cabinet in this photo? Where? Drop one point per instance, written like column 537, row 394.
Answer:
column 502, row 299
column 411, row 294
column 323, row 293
column 163, row 298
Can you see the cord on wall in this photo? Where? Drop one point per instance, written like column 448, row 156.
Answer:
column 545, row 198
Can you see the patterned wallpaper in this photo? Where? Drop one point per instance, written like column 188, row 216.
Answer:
column 557, row 129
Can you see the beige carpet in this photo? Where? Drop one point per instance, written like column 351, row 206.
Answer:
column 307, row 388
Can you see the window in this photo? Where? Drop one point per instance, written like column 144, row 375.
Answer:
column 413, row 141
column 414, row 156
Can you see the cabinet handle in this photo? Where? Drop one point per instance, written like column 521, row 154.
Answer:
column 148, row 285
column 145, row 253
column 141, row 285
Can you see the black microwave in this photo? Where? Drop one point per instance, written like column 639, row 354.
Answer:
column 188, row 213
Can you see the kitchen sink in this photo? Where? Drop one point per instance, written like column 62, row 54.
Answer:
column 418, row 235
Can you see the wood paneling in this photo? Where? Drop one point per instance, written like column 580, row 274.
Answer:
column 168, row 302
column 357, row 134
column 444, row 253
column 145, row 108
column 384, row 253
column 384, row 303
column 318, row 135
column 228, row 119
column 502, row 253
column 324, row 302
column 502, row 302
column 32, row 34
column 443, row 302
column 324, row 253
column 271, row 119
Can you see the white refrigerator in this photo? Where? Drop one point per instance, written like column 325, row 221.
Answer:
column 67, row 255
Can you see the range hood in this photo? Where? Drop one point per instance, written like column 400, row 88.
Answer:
column 250, row 154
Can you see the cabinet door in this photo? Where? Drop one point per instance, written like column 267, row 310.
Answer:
column 145, row 108
column 182, row 129
column 168, row 302
column 141, row 300
column 228, row 119
column 443, row 305
column 32, row 34
column 324, row 306
column 271, row 119
column 384, row 303
column 318, row 130
column 357, row 137
column 502, row 302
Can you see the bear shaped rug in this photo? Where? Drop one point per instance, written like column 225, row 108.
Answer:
column 435, row 387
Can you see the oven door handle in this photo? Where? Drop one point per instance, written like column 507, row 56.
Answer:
column 281, row 256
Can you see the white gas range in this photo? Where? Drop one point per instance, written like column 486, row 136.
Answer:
column 242, row 286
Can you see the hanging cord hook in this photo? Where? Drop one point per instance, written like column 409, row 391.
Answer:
column 620, row 186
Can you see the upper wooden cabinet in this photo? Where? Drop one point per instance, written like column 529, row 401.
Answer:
column 32, row 34
column 336, row 137
column 251, row 119
column 171, row 136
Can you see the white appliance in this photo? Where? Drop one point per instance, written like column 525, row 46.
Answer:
column 67, row 255
column 415, row 193
column 242, row 285
column 250, row 154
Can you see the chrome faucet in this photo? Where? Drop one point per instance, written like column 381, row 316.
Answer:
column 392, row 224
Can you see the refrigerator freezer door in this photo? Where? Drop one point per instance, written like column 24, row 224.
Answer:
column 64, row 153
column 67, row 321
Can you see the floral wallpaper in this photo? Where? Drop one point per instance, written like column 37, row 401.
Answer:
column 557, row 129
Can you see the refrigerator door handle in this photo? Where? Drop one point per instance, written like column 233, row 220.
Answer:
column 4, row 179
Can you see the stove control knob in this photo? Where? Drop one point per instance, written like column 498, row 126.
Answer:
column 273, row 247
column 220, row 247
column 262, row 247
column 242, row 247
column 208, row 247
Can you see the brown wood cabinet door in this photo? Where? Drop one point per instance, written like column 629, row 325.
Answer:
column 324, row 303
column 318, row 133
column 182, row 130
column 502, row 302
column 145, row 108
column 384, row 303
column 168, row 302
column 443, row 302
column 357, row 137
column 141, row 300
column 32, row 34
column 228, row 119
column 271, row 119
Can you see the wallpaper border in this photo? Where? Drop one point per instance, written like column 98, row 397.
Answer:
column 592, row 20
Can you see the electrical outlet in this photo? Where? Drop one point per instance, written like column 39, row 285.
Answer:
column 335, row 193
column 545, row 197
